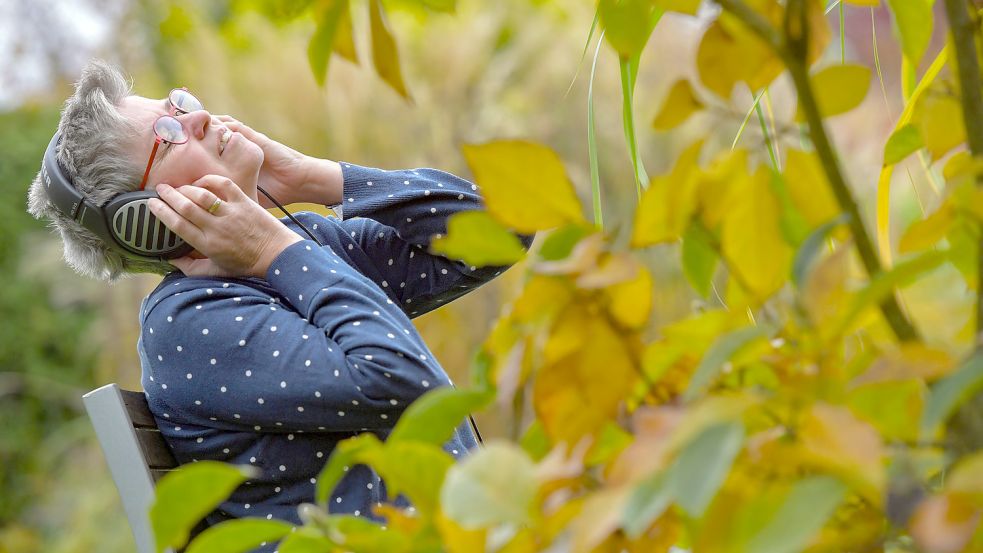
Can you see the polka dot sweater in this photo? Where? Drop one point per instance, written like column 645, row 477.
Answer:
column 274, row 372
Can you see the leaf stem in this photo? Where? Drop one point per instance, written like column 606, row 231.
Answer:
column 792, row 48
column 971, row 87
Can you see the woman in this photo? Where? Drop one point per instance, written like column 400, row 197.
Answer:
column 270, row 344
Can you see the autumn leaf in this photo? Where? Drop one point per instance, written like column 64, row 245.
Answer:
column 678, row 106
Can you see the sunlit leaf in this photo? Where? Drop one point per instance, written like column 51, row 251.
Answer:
column 679, row 105
column 495, row 485
column 967, row 476
column 305, row 541
column 810, row 191
column 839, row 88
column 913, row 26
column 344, row 39
column 238, row 536
column 950, row 392
column 415, row 469
column 457, row 539
column 903, row 142
column 893, row 407
column 937, row 114
column 187, row 495
column 524, row 185
column 384, row 54
column 836, row 440
column 433, row 417
column 344, row 455
column 703, row 464
column 559, row 243
column 811, row 248
column 800, row 516
column 668, row 203
column 322, row 43
column 689, row 7
column 870, row 3
column 631, row 300
column 720, row 353
column 699, row 258
column 627, row 24
column 729, row 55
column 478, row 239
column 929, row 231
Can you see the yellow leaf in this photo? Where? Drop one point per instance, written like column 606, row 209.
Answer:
column 939, row 118
column 524, row 185
column 568, row 334
column 967, row 476
column 631, row 301
column 542, row 297
column 729, row 55
column 894, row 407
column 580, row 392
column 457, row 539
column 870, row 3
column 809, row 189
column 384, row 54
column 925, row 233
column 716, row 184
column 478, row 239
column 838, row 89
column 679, row 105
column 667, row 204
column 612, row 269
column 751, row 237
column 689, row 7
column 835, row 439
column 909, row 360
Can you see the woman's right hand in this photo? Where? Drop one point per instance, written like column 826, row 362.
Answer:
column 239, row 239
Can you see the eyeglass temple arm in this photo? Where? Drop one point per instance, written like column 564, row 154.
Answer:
column 150, row 162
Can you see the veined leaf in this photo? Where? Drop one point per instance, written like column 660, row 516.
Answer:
column 384, row 54
column 188, row 494
column 524, row 185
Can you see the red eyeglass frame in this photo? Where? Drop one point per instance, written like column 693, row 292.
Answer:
column 174, row 110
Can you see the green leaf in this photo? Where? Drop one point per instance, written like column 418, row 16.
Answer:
column 802, row 514
column 415, row 469
column 433, row 417
column 344, row 455
column 627, row 24
column 478, row 239
column 305, row 540
column 903, row 142
column 646, row 503
column 951, row 392
column 811, row 247
column 839, row 89
column 629, row 68
column 188, row 494
column 362, row 535
column 721, row 351
column 496, row 485
column 534, row 441
column 595, row 176
column 239, row 536
column 913, row 20
column 524, row 185
column 699, row 258
column 703, row 465
column 384, row 54
column 322, row 43
column 559, row 243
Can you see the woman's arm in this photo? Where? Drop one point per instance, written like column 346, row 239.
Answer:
column 340, row 357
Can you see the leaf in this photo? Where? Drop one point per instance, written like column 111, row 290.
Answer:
column 893, row 407
column 903, row 142
column 238, row 536
column 967, row 476
column 322, row 42
column 188, row 494
column 524, row 185
column 927, row 232
column 305, row 540
column 866, row 3
column 730, row 54
column 834, row 439
column 937, row 114
column 702, row 466
column 559, row 243
column 627, row 24
column 751, row 238
column 839, row 88
column 810, row 191
column 343, row 455
column 433, row 417
column 478, row 239
column 811, row 248
column 631, row 300
column 913, row 26
column 802, row 514
column 344, row 40
column 667, row 205
column 945, row 524
column 699, row 258
column 951, row 392
column 415, row 469
column 385, row 57
column 646, row 503
column 689, row 7
column 679, row 105
column 719, row 353
column 496, row 485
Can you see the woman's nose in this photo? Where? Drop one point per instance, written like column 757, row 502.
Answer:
column 197, row 122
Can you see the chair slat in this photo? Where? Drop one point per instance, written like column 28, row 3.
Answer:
column 155, row 449
column 137, row 408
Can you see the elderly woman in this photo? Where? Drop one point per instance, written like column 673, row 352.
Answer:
column 278, row 337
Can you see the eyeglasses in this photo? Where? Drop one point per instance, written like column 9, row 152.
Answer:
column 167, row 128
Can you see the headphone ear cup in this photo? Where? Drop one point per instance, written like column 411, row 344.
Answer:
column 139, row 231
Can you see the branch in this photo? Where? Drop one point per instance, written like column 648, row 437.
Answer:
column 971, row 88
column 792, row 48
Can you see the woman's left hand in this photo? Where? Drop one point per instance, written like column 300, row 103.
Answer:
column 284, row 172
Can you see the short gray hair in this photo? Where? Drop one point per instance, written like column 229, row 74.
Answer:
column 92, row 154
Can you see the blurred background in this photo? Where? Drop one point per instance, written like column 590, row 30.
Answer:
column 492, row 70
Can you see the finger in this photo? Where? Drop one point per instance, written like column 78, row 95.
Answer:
column 197, row 267
column 183, row 205
column 247, row 131
column 205, row 199
column 174, row 221
column 223, row 187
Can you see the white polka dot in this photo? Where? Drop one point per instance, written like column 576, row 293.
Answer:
column 199, row 440
column 341, row 413
column 224, row 389
column 239, row 318
column 225, row 450
column 425, row 384
column 356, row 323
column 170, row 319
column 336, row 372
column 384, row 284
column 283, row 384
column 384, row 416
column 307, row 363
column 406, row 182
column 369, row 183
column 443, row 271
column 177, row 428
column 164, row 386
column 213, row 361
column 282, row 468
column 249, row 373
column 409, row 220
column 252, row 459
column 369, row 485
column 189, row 376
column 269, row 516
column 300, row 409
column 247, row 505
column 260, row 401
column 337, row 500
column 423, row 275
column 151, row 330
column 433, row 210
column 304, row 268
column 273, row 328
column 426, row 192
column 276, row 271
column 368, row 357
column 208, row 291
column 317, row 393
column 242, row 342
column 160, row 357
column 357, row 512
column 304, row 336
column 354, row 402
column 197, row 307
column 393, row 402
column 179, row 348
column 276, row 353
column 390, row 335
column 290, row 436
column 300, row 297
column 423, row 357
column 473, row 187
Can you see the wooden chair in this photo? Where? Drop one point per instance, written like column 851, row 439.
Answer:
column 136, row 453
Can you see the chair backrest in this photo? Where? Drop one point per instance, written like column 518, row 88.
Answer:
column 136, row 453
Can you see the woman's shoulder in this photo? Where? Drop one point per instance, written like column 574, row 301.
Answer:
column 178, row 292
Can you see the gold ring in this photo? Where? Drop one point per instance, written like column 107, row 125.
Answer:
column 214, row 206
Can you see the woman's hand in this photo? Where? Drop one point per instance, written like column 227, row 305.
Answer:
column 285, row 171
column 239, row 239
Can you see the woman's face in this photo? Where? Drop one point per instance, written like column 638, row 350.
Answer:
column 203, row 154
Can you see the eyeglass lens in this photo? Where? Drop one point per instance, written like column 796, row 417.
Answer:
column 170, row 129
column 184, row 101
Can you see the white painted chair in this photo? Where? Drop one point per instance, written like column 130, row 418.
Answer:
column 136, row 453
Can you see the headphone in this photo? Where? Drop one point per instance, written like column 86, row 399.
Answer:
column 125, row 223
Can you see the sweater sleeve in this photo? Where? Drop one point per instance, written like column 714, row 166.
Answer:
column 395, row 215
column 342, row 359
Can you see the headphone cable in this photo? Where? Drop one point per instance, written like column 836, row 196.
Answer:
column 287, row 213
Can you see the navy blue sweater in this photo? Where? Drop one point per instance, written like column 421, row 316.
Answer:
column 273, row 373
